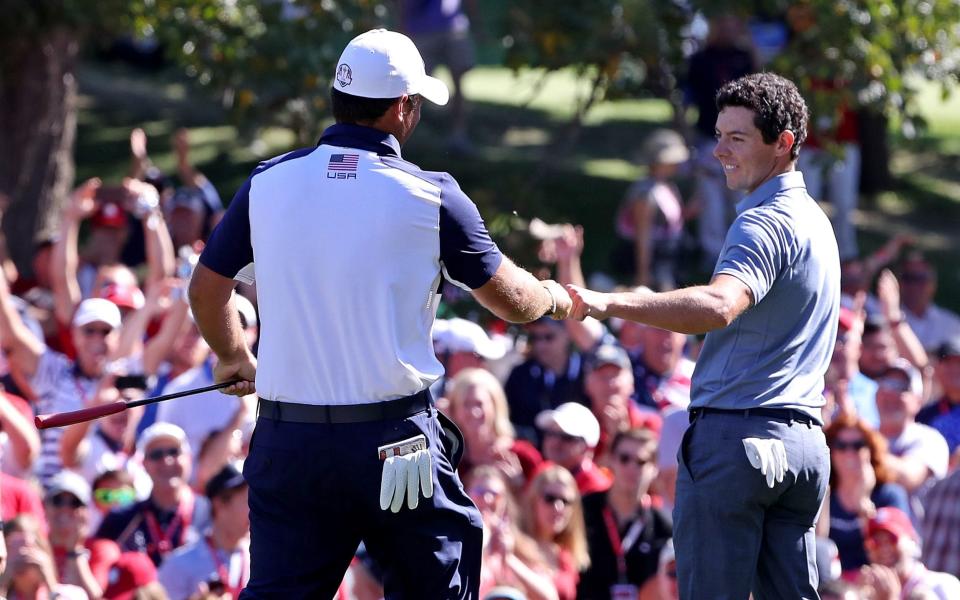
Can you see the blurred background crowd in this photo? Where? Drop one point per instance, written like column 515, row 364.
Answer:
column 572, row 428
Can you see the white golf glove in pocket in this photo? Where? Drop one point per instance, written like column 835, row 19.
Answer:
column 768, row 456
column 407, row 471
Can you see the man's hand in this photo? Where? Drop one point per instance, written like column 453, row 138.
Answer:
column 888, row 293
column 587, row 303
column 880, row 582
column 82, row 202
column 561, row 297
column 244, row 368
column 138, row 144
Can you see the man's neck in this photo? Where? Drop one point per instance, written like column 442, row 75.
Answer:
column 776, row 170
column 166, row 498
column 892, row 431
column 917, row 309
column 557, row 365
column 624, row 502
column 225, row 539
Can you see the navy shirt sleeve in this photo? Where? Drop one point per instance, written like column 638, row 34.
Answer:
column 468, row 256
column 229, row 248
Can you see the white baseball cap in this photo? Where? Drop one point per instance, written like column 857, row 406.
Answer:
column 93, row 310
column 573, row 419
column 162, row 429
column 386, row 64
column 461, row 335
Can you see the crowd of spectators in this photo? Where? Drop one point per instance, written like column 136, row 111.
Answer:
column 571, row 428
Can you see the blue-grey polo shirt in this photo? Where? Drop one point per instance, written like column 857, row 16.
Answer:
column 775, row 354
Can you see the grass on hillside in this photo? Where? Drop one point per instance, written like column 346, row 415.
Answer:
column 512, row 123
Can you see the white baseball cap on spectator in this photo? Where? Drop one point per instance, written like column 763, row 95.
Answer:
column 94, row 310
column 71, row 483
column 461, row 335
column 915, row 380
column 386, row 64
column 162, row 429
column 574, row 419
column 246, row 310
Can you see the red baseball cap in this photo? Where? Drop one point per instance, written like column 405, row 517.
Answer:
column 892, row 520
column 110, row 214
column 131, row 571
column 124, row 296
column 846, row 318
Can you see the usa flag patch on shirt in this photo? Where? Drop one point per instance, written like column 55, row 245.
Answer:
column 343, row 162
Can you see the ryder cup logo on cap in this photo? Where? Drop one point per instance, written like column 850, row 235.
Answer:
column 386, row 64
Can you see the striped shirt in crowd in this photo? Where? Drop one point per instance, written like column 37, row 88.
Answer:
column 59, row 386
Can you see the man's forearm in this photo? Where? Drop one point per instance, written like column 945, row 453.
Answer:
column 514, row 294
column 696, row 309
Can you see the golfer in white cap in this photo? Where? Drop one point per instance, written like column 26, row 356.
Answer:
column 353, row 246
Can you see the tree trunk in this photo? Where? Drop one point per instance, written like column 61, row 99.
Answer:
column 38, row 97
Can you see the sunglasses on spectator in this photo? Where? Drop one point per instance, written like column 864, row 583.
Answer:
column 553, row 499
column 915, row 277
column 92, row 331
column 481, row 491
column 894, row 385
column 65, row 501
column 115, row 496
column 162, row 453
column 671, row 573
column 560, row 435
column 625, row 459
column 536, row 338
column 843, row 445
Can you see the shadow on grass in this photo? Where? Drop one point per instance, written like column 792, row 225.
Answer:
column 510, row 143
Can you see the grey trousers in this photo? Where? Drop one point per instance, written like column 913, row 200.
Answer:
column 735, row 535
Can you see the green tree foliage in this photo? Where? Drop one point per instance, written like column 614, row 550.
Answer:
column 855, row 53
column 268, row 60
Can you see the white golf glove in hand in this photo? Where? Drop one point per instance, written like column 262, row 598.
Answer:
column 769, row 456
column 409, row 474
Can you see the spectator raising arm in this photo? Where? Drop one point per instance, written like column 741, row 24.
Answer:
column 22, row 347
column 157, row 347
column 23, row 436
column 568, row 248
column 908, row 346
column 65, row 258
column 139, row 160
column 145, row 205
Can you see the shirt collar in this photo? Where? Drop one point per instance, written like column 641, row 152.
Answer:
column 771, row 187
column 362, row 138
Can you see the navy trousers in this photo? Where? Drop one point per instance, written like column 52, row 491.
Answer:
column 732, row 533
column 315, row 494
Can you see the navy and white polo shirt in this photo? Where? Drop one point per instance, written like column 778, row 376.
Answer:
column 349, row 245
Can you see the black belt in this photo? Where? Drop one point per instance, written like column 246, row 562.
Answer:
column 292, row 412
column 788, row 415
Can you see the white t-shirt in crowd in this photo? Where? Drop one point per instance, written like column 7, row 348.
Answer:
column 936, row 326
column 201, row 414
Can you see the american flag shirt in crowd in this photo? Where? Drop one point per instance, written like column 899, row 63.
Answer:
column 59, row 386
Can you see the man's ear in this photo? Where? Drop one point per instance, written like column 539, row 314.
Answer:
column 785, row 142
column 403, row 106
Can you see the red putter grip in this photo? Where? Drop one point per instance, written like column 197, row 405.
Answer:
column 79, row 416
